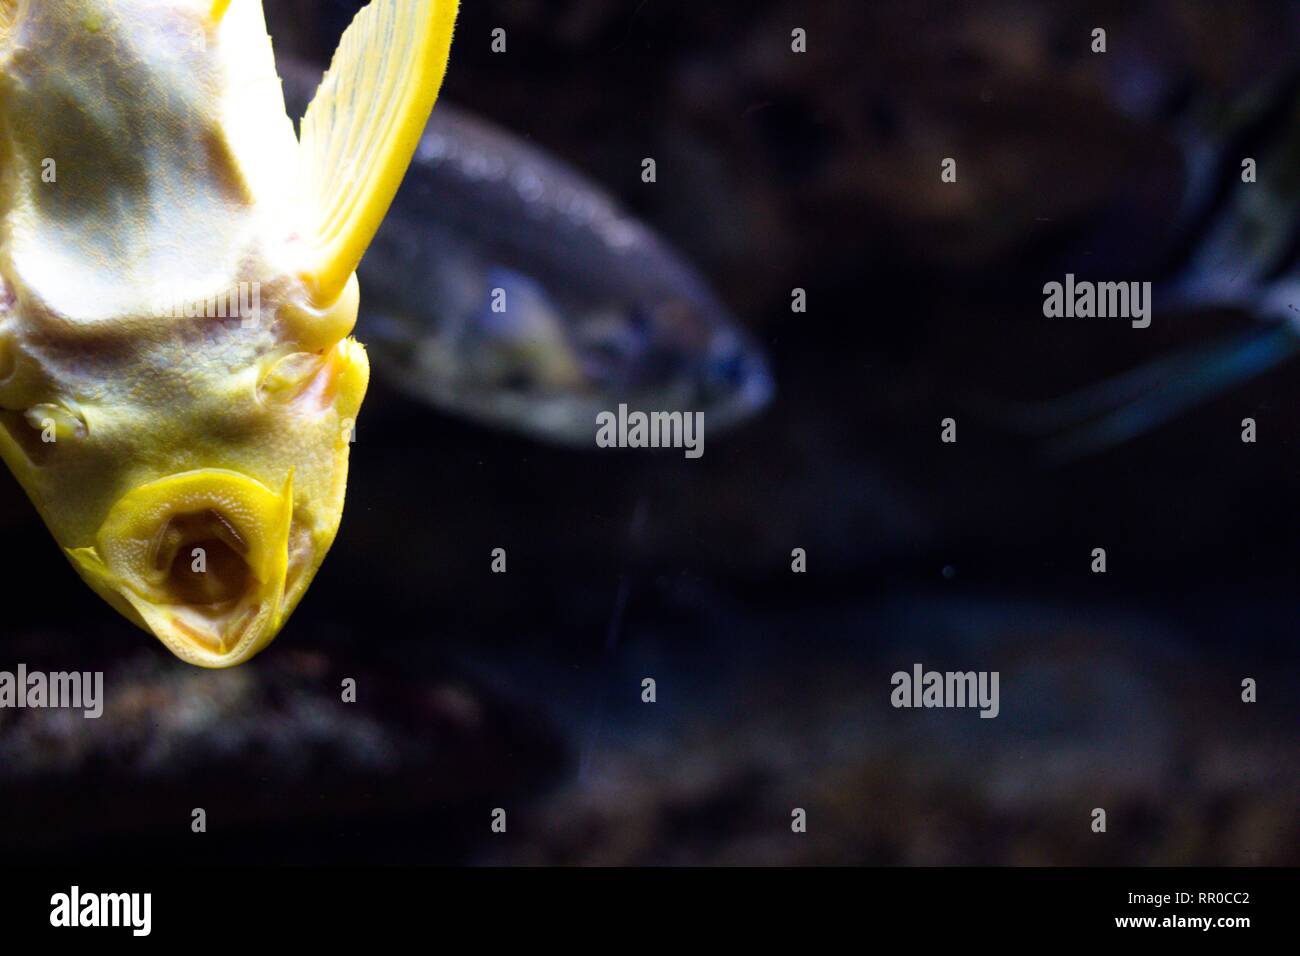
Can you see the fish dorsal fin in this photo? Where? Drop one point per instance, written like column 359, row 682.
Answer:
column 362, row 129
column 8, row 15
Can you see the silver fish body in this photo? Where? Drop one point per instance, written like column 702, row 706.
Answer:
column 507, row 288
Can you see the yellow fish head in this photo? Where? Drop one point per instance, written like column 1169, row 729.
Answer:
column 178, row 388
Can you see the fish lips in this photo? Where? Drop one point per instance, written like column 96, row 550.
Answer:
column 200, row 559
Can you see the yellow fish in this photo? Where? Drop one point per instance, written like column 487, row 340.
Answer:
column 177, row 289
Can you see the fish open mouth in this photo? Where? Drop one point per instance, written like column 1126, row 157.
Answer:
column 200, row 560
column 219, row 572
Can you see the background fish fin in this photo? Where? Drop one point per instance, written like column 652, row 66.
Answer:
column 1111, row 394
column 362, row 129
column 1175, row 385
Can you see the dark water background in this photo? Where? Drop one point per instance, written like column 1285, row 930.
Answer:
column 522, row 690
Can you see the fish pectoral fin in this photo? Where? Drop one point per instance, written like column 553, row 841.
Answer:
column 362, row 129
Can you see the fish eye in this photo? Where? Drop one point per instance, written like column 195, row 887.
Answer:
column 517, row 380
column 729, row 369
column 640, row 318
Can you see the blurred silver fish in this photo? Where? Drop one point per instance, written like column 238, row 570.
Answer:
column 507, row 288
